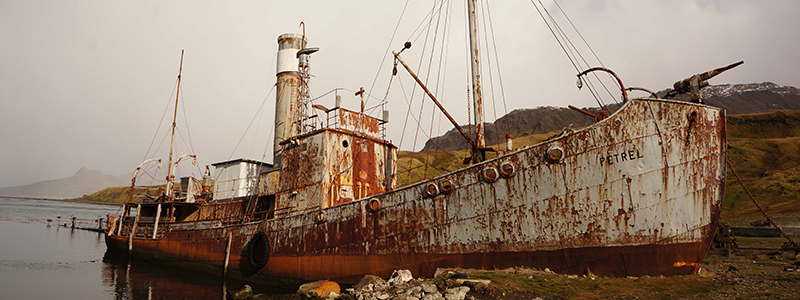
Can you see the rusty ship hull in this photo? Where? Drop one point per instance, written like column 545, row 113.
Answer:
column 638, row 193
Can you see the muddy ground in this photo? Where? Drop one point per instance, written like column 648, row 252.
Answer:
column 758, row 270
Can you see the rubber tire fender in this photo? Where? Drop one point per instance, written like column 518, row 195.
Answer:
column 258, row 250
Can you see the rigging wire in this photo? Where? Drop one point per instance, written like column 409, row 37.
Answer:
column 386, row 53
column 426, row 27
column 190, row 145
column 572, row 46
column 163, row 115
column 438, row 77
column 561, row 44
column 497, row 60
column 251, row 122
column 484, row 6
column 413, row 91
column 579, row 34
column 186, row 123
column 446, row 39
column 499, row 73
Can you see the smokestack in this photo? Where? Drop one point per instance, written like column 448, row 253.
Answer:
column 287, row 98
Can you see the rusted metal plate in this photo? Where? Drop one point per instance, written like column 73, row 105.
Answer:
column 638, row 193
column 358, row 122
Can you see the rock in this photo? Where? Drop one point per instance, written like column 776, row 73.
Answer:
column 321, row 288
column 399, row 277
column 458, row 276
column 704, row 272
column 370, row 280
column 589, row 274
column 383, row 296
column 456, row 293
column 242, row 294
column 415, row 291
column 473, row 282
column 441, row 272
column 432, row 296
column 429, row 288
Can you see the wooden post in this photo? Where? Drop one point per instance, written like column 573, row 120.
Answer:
column 227, row 256
column 133, row 230
column 158, row 216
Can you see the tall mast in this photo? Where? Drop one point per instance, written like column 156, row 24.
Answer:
column 478, row 153
column 172, row 141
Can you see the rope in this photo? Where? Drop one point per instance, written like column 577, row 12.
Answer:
column 574, row 61
column 497, row 60
column 386, row 53
column 186, row 123
column 251, row 122
column 163, row 115
column 791, row 241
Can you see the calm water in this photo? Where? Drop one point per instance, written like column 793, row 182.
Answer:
column 41, row 261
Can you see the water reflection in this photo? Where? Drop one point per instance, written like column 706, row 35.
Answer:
column 40, row 259
column 138, row 279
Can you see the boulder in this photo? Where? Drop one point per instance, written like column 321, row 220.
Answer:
column 456, row 293
column 322, row 288
column 242, row 294
column 399, row 277
column 370, row 281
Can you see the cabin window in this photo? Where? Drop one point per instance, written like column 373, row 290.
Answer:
column 265, row 208
column 344, row 143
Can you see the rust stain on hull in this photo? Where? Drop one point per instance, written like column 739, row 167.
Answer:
column 638, row 193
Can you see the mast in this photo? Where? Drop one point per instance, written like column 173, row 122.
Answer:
column 478, row 149
column 172, row 141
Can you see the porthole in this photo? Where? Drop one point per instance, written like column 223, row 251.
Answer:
column 554, row 154
column 374, row 205
column 507, row 169
column 446, row 186
column 431, row 189
column 489, row 174
column 345, row 144
column 320, row 217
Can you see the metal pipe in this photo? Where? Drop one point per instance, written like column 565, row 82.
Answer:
column 478, row 153
column 582, row 111
column 621, row 86
column 643, row 90
column 171, row 177
column 424, row 88
column 287, row 96
column 136, row 173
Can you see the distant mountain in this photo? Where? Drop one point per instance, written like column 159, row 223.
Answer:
column 738, row 99
column 735, row 99
column 85, row 181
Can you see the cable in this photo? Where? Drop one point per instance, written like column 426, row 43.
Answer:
column 251, row 122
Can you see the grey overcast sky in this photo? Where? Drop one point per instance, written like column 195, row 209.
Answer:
column 86, row 83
